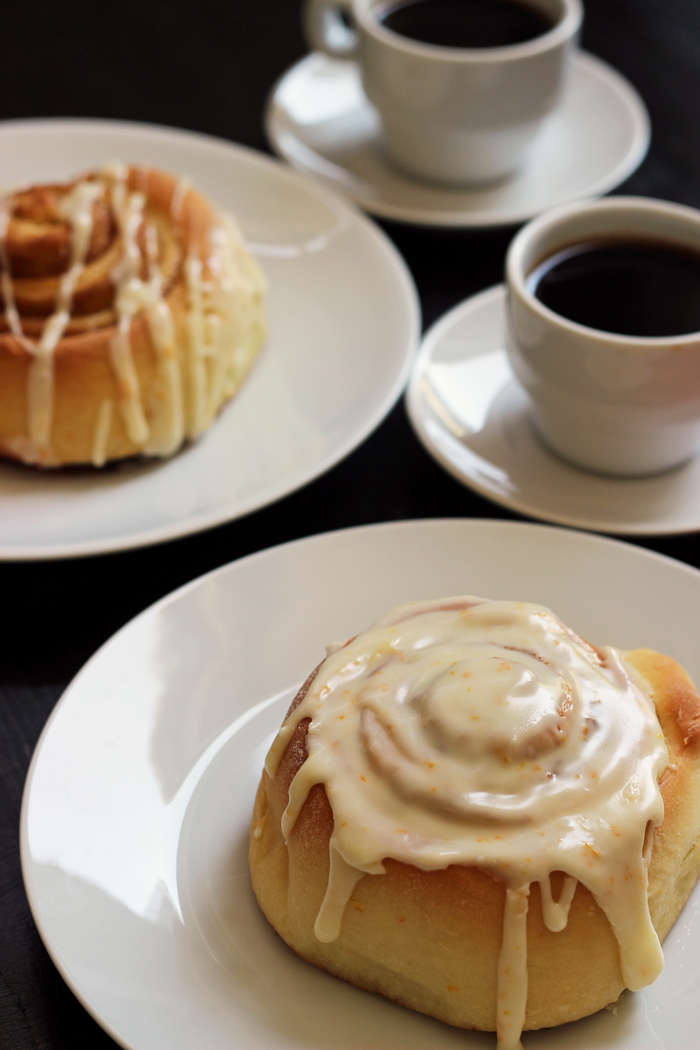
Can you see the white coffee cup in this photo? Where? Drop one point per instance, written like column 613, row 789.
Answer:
column 616, row 404
column 451, row 115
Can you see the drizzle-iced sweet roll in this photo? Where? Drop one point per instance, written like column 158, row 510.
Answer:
column 474, row 812
column 130, row 311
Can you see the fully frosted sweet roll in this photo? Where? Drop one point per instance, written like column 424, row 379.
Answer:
column 130, row 311
column 466, row 804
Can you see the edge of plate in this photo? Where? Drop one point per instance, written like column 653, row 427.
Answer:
column 413, row 401
column 203, row 522
column 636, row 108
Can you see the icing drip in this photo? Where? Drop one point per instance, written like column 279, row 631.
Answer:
column 76, row 209
column 197, row 344
column 512, row 970
column 342, row 880
column 556, row 913
column 128, row 301
column 168, row 428
column 489, row 734
column 235, row 279
column 178, row 199
column 6, row 288
column 196, row 320
column 101, row 438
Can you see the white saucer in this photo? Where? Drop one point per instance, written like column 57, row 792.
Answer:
column 472, row 416
column 344, row 324
column 319, row 120
column 137, row 804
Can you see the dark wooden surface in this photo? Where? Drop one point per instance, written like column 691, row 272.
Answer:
column 208, row 66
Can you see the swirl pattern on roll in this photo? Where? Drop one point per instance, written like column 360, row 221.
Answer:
column 487, row 733
column 131, row 311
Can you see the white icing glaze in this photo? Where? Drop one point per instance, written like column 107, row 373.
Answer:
column 6, row 288
column 128, row 301
column 168, row 425
column 489, row 734
column 76, row 209
column 197, row 344
column 216, row 354
column 101, row 436
column 178, row 198
column 512, row 968
column 556, row 913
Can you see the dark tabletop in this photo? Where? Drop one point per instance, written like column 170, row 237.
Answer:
column 209, row 66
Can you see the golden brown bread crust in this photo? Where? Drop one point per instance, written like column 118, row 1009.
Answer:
column 37, row 253
column 431, row 940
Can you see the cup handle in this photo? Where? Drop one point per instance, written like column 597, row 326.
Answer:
column 326, row 30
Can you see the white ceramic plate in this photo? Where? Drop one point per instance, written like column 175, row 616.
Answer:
column 472, row 416
column 319, row 120
column 344, row 323
column 137, row 804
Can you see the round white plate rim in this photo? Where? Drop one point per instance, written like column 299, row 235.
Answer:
column 270, row 553
column 201, row 522
column 413, row 407
column 614, row 80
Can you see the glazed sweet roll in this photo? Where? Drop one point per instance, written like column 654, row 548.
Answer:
column 468, row 802
column 131, row 312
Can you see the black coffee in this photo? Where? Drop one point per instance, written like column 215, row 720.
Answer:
column 465, row 23
column 627, row 287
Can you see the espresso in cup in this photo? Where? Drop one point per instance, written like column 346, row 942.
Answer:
column 465, row 23
column 626, row 286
